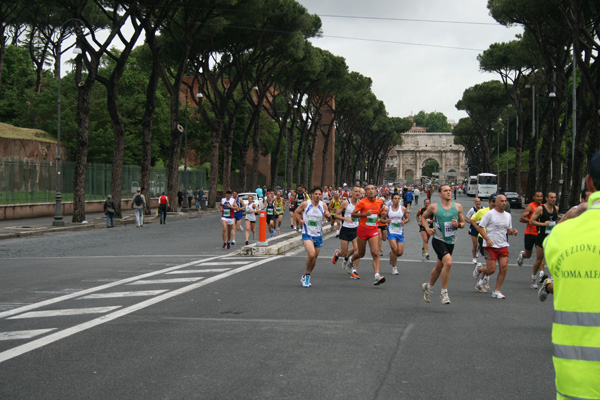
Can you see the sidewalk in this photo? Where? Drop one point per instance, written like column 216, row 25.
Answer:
column 16, row 228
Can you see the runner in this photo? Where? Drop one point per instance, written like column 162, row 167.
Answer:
column 475, row 219
column 448, row 217
column 269, row 206
column 227, row 207
column 335, row 205
column 397, row 218
column 367, row 210
column 473, row 227
column 545, row 218
column 300, row 198
column 310, row 215
column 279, row 208
column 348, row 233
column 417, row 193
column 382, row 226
column 424, row 234
column 494, row 227
column 530, row 230
column 292, row 201
column 409, row 199
column 251, row 211
column 238, row 215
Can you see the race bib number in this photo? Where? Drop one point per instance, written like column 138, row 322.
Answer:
column 550, row 226
column 355, row 220
column 313, row 223
column 396, row 225
column 371, row 221
column 227, row 213
column 279, row 210
column 270, row 211
column 449, row 230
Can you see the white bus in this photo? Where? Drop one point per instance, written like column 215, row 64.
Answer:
column 487, row 184
column 472, row 186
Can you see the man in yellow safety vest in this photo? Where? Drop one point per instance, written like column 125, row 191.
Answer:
column 572, row 253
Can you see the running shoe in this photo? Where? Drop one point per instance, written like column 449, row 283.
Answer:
column 379, row 281
column 233, row 242
column 480, row 287
column 486, row 283
column 228, row 246
column 293, row 227
column 444, row 298
column 476, row 273
column 533, row 282
column 498, row 295
column 380, row 253
column 272, row 233
column 426, row 292
column 305, row 280
column 337, row 233
column 335, row 257
column 474, row 261
column 423, row 252
column 350, row 265
column 246, row 243
column 427, row 256
column 520, row 258
column 543, row 292
column 224, row 245
column 542, row 274
column 354, row 275
column 277, row 231
column 395, row 271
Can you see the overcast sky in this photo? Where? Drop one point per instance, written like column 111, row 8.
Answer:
column 411, row 78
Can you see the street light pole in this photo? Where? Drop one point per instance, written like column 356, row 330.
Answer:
column 58, row 217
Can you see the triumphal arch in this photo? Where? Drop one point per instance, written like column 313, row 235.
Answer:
column 419, row 147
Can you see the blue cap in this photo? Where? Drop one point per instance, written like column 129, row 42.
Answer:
column 492, row 197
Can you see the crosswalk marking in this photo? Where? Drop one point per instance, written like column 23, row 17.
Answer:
column 15, row 335
column 197, row 271
column 113, row 295
column 162, row 281
column 65, row 312
column 213, row 263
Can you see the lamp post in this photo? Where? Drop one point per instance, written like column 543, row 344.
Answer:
column 58, row 217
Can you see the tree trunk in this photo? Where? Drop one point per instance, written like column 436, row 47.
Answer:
column 174, row 148
column 83, row 122
column 290, row 153
column 255, row 153
column 118, row 148
column 228, row 154
column 214, row 164
column 275, row 154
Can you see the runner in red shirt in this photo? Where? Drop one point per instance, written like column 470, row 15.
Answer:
column 367, row 210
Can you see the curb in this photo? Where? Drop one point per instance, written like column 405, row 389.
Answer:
column 278, row 248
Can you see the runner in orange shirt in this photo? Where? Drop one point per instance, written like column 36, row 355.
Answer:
column 367, row 210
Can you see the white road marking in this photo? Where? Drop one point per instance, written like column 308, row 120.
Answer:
column 224, row 263
column 16, row 335
column 44, row 303
column 65, row 312
column 198, row 271
column 123, row 294
column 41, row 342
column 162, row 281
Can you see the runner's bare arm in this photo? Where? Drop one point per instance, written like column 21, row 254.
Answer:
column 298, row 213
column 536, row 214
column 524, row 215
column 461, row 217
column 406, row 216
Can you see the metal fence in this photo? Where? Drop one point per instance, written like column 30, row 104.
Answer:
column 30, row 181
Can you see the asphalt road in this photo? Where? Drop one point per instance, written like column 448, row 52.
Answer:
column 163, row 312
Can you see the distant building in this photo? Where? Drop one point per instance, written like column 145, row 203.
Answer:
column 419, row 147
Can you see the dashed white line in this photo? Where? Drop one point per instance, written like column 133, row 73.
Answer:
column 113, row 295
column 19, row 335
column 65, row 312
column 163, row 281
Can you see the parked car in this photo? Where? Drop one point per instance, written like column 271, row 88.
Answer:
column 514, row 199
column 244, row 196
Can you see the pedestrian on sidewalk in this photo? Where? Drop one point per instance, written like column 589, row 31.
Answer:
column 138, row 203
column 190, row 196
column 163, row 205
column 109, row 211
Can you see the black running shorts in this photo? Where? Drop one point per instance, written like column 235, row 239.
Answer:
column 441, row 248
column 347, row 234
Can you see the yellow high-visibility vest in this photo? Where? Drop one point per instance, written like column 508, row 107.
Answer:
column 572, row 252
